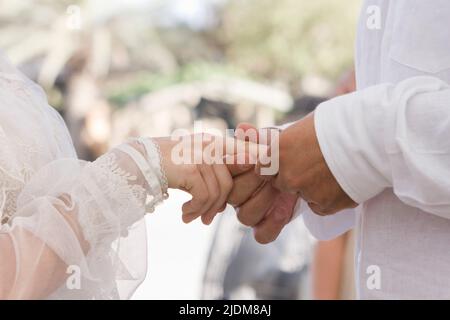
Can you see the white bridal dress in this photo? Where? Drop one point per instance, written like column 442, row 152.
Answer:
column 69, row 229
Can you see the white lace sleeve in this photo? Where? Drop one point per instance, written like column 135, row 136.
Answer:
column 71, row 229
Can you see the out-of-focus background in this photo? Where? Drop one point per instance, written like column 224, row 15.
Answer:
column 115, row 69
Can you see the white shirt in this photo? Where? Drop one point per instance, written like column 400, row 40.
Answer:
column 388, row 145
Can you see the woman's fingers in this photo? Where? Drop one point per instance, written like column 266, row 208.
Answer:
column 225, row 183
column 196, row 186
column 234, row 146
column 211, row 181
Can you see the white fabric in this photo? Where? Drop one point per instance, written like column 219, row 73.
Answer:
column 388, row 145
column 62, row 217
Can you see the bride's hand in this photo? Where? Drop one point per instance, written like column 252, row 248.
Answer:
column 208, row 181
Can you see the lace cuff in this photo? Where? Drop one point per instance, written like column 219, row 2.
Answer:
column 149, row 161
column 129, row 181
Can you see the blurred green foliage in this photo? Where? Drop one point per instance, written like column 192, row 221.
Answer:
column 286, row 39
column 268, row 40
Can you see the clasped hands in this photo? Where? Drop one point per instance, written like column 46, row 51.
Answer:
column 264, row 202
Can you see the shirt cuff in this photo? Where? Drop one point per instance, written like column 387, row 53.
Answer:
column 348, row 145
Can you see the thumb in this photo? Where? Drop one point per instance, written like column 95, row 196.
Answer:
column 247, row 132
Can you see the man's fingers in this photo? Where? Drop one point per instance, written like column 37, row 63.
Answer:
column 277, row 217
column 254, row 209
column 285, row 185
column 244, row 187
column 247, row 132
column 247, row 139
column 239, row 164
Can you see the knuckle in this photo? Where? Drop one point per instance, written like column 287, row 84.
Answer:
column 214, row 191
column 223, row 207
column 236, row 198
column 321, row 199
column 245, row 219
column 263, row 238
column 203, row 198
column 228, row 186
column 282, row 216
column 321, row 211
column 317, row 210
column 325, row 211
column 290, row 181
column 191, row 170
column 232, row 200
column 210, row 203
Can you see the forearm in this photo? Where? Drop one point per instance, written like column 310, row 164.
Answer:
column 7, row 268
column 31, row 268
column 33, row 272
column 390, row 136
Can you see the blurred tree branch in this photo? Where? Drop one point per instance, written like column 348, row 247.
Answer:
column 287, row 39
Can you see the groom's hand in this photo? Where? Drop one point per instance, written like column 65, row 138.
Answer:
column 260, row 205
column 303, row 170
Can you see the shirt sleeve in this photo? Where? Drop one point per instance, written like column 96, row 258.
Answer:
column 326, row 227
column 391, row 136
column 323, row 227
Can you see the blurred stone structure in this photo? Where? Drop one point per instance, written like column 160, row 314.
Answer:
column 219, row 103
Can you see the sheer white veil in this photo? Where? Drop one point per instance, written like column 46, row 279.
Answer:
column 38, row 163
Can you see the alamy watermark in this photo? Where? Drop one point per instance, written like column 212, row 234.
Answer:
column 373, row 281
column 211, row 146
column 73, row 281
column 73, row 20
column 373, row 21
